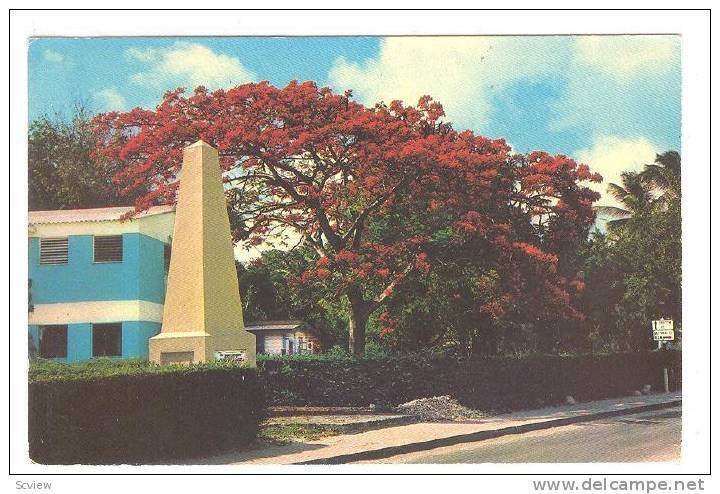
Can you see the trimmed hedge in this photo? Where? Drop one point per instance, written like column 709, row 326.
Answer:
column 96, row 416
column 107, row 412
column 495, row 383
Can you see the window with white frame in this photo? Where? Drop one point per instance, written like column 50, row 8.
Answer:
column 108, row 248
column 54, row 250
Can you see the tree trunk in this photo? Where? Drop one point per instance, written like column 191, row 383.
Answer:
column 484, row 339
column 358, row 322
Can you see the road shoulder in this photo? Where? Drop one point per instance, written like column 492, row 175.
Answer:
column 392, row 441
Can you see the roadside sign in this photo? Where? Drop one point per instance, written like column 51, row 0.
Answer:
column 663, row 324
column 663, row 335
column 663, row 330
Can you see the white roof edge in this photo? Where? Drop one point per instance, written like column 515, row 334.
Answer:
column 92, row 215
column 273, row 327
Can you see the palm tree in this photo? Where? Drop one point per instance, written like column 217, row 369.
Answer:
column 664, row 175
column 658, row 184
column 634, row 195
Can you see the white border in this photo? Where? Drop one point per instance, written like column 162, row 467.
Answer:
column 694, row 28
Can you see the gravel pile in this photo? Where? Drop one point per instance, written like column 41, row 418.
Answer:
column 439, row 408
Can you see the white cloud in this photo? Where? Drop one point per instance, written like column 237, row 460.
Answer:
column 463, row 73
column 53, row 56
column 146, row 55
column 110, row 99
column 605, row 85
column 285, row 240
column 625, row 57
column 622, row 85
column 190, row 65
column 612, row 155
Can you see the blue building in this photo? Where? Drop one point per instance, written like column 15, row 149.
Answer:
column 97, row 281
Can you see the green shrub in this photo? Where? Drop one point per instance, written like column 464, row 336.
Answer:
column 114, row 411
column 334, row 354
column 493, row 383
column 374, row 351
column 338, row 354
column 53, row 370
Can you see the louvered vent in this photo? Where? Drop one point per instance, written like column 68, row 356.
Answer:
column 109, row 248
column 53, row 250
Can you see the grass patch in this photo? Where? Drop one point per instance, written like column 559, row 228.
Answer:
column 287, row 433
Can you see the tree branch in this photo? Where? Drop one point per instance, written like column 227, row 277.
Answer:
column 359, row 222
column 377, row 301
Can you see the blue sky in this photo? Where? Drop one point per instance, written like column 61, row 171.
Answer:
column 609, row 101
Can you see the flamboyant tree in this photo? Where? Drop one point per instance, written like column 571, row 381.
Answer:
column 374, row 191
column 523, row 272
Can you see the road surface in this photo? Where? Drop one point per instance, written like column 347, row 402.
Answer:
column 644, row 437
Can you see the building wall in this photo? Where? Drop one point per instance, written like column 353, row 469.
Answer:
column 273, row 340
column 135, row 335
column 79, row 342
column 83, row 292
column 309, row 338
column 140, row 276
column 95, row 311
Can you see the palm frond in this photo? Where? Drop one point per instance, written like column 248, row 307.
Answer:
column 670, row 161
column 612, row 211
column 615, row 225
column 616, row 191
column 664, row 174
column 656, row 176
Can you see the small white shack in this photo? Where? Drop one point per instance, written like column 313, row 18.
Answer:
column 284, row 337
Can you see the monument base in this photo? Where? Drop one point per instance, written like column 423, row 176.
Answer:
column 198, row 347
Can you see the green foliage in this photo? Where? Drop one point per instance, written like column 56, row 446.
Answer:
column 444, row 307
column 42, row 370
column 633, row 273
column 268, row 292
column 63, row 171
column 490, row 383
column 635, row 196
column 339, row 354
column 110, row 412
column 375, row 350
column 336, row 353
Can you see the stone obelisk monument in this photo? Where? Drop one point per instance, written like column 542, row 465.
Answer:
column 202, row 318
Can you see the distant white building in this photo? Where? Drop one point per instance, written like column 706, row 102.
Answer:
column 284, row 337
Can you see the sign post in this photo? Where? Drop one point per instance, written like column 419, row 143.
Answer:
column 663, row 330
